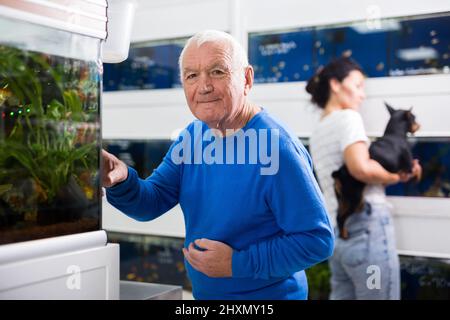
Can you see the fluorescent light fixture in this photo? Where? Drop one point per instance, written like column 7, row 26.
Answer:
column 376, row 25
column 421, row 53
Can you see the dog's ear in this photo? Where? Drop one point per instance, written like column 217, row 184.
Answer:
column 390, row 109
column 410, row 109
column 409, row 116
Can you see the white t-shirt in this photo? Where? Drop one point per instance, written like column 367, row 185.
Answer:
column 334, row 133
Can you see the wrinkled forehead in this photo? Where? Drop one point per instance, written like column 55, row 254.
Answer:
column 207, row 54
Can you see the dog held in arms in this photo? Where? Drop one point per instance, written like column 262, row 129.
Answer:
column 391, row 150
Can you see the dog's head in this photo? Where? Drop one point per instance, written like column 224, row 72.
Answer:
column 403, row 121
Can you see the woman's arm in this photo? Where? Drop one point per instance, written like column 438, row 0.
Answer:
column 357, row 159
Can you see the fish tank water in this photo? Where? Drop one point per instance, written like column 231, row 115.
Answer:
column 50, row 139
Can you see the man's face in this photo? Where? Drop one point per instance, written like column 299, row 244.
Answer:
column 214, row 88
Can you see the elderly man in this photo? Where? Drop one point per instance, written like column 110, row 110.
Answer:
column 254, row 216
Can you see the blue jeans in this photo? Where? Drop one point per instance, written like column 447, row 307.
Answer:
column 366, row 265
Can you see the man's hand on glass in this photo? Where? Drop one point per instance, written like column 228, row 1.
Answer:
column 114, row 170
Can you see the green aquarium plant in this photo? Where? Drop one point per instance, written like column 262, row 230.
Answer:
column 319, row 277
column 49, row 137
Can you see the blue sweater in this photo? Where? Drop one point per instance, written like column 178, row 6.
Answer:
column 276, row 224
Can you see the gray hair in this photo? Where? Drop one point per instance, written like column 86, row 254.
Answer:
column 238, row 53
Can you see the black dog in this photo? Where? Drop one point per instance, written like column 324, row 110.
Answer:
column 391, row 150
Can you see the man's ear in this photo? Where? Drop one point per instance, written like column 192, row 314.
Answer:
column 390, row 109
column 249, row 76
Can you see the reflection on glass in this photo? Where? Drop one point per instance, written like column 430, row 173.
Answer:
column 151, row 259
column 434, row 156
column 425, row 278
column 150, row 65
column 390, row 47
column 49, row 145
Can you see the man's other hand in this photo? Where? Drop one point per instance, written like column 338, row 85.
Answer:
column 213, row 258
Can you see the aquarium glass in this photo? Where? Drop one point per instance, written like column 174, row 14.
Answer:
column 50, row 84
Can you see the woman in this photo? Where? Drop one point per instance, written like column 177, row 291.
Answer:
column 365, row 265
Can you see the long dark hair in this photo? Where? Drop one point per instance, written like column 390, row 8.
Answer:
column 319, row 85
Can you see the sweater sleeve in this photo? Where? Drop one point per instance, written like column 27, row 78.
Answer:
column 147, row 199
column 306, row 235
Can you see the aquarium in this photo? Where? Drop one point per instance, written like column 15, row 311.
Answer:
column 398, row 46
column 143, row 155
column 150, row 65
column 152, row 259
column 50, row 84
column 425, row 278
column 434, row 156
